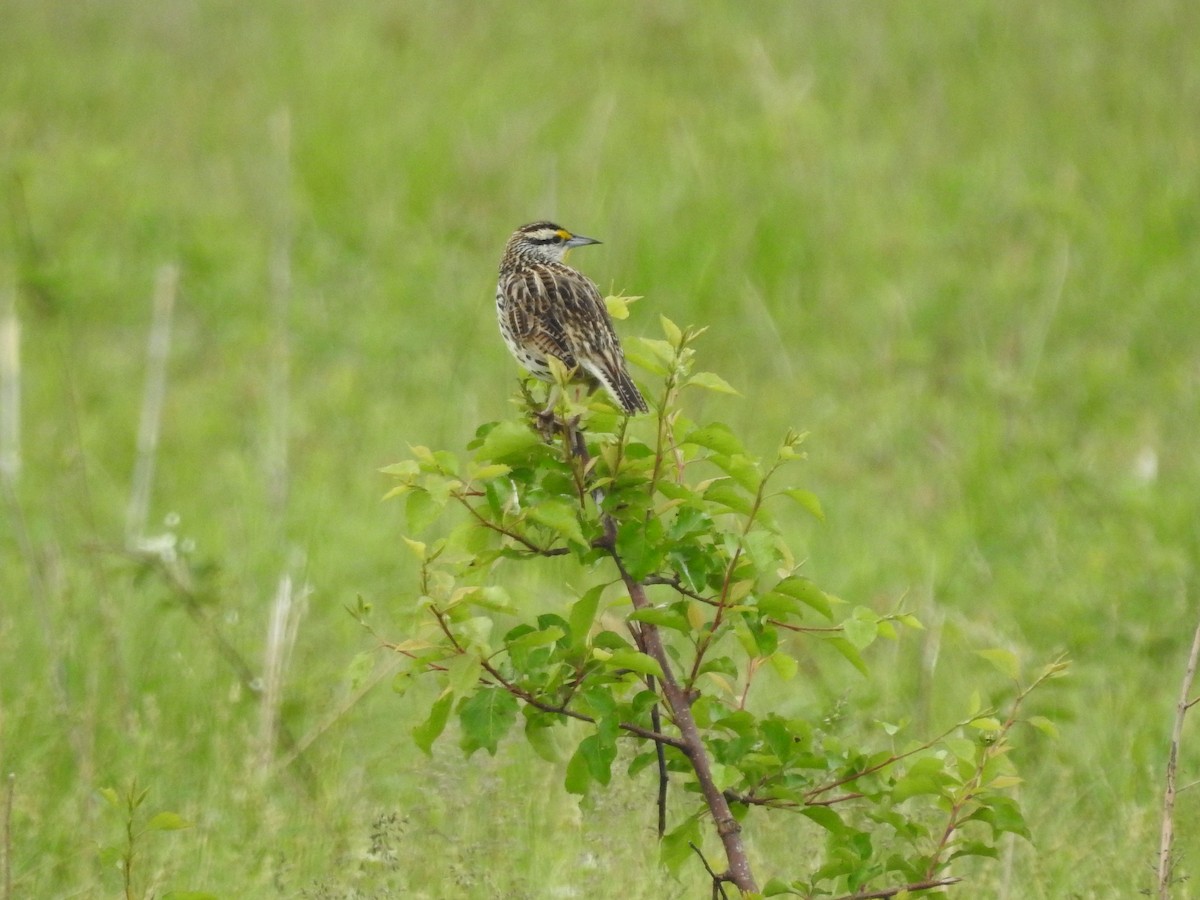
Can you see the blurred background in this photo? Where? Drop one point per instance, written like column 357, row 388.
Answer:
column 956, row 243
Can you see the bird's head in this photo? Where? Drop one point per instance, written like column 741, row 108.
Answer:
column 544, row 242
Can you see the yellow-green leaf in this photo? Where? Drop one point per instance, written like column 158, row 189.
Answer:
column 168, row 821
column 486, row 473
column 808, row 500
column 671, row 330
column 618, row 306
column 636, row 662
column 1005, row 661
column 713, row 382
column 559, row 516
column 508, row 439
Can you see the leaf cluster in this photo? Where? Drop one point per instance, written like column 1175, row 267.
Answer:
column 685, row 517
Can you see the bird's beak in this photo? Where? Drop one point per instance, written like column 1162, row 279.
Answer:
column 578, row 240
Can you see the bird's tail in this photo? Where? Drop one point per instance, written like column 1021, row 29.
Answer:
column 615, row 378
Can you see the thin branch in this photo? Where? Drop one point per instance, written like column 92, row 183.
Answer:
column 717, row 880
column 509, row 533
column 537, row 703
column 894, row 758
column 301, row 746
column 971, row 785
column 663, row 774
column 1167, row 836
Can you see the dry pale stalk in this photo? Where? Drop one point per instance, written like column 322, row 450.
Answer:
column 1167, row 837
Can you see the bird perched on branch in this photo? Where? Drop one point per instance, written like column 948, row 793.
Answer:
column 546, row 308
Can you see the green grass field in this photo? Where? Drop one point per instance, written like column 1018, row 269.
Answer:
column 955, row 242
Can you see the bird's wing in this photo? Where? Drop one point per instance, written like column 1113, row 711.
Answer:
column 593, row 340
column 585, row 321
column 532, row 312
column 559, row 312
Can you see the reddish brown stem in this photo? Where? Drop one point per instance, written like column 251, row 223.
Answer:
column 680, row 705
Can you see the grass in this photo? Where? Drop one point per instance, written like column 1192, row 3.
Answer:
column 956, row 244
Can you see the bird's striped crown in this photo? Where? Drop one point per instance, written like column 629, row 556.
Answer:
column 543, row 242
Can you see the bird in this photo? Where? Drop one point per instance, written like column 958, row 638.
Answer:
column 546, row 308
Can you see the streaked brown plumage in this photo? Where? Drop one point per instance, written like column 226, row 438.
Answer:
column 546, row 308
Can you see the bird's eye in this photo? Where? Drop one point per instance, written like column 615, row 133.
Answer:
column 558, row 239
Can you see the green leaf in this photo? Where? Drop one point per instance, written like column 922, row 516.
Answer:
column 540, row 638
column 598, row 754
column 675, row 847
column 712, row 382
column 1044, row 725
column 962, row 749
column 487, row 473
column 1005, row 661
column 916, row 784
column 975, row 848
column 420, row 510
column 848, row 650
column 647, row 361
column 808, row 500
column 417, row 548
column 1003, row 814
column 664, row 618
column 507, row 440
column 559, row 516
column 740, row 468
column 486, row 716
column 671, row 330
column 718, row 437
column 491, row 597
column 543, row 740
column 111, row 795
column 638, row 545
column 168, row 821
column 406, row 468
column 775, row 887
column 663, row 351
column 725, row 493
column 476, row 632
column 634, row 661
column 762, row 548
column 861, row 629
column 462, row 674
column 360, row 668
column 807, row 593
column 428, row 731
column 779, row 737
column 640, row 762
column 986, row 723
column 826, row 818
column 784, row 664
column 579, row 775
column 583, row 614
column 111, row 856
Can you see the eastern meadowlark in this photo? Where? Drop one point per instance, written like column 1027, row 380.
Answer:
column 546, row 308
